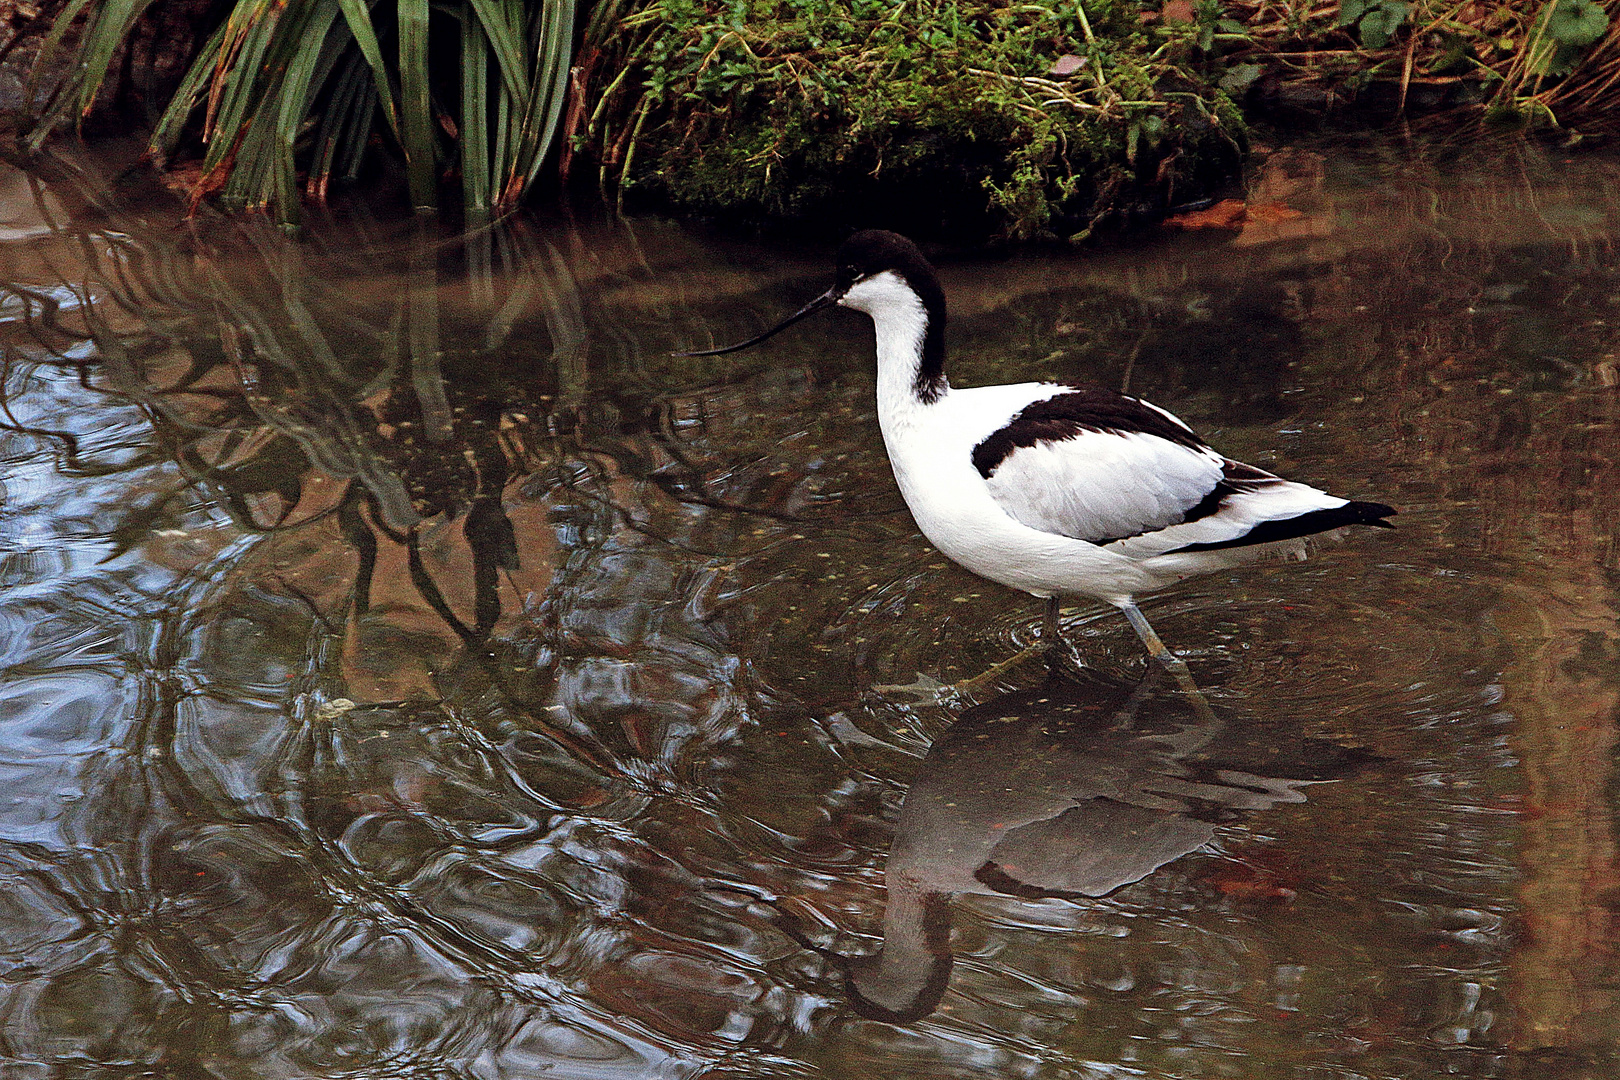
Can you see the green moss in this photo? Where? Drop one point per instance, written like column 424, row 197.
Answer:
column 943, row 116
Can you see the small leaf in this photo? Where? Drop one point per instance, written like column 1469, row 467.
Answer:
column 1577, row 22
column 1067, row 64
column 1352, row 10
column 1380, row 24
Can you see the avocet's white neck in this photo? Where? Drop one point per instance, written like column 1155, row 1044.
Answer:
column 901, row 320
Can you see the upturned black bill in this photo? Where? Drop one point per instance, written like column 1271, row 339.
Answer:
column 826, row 299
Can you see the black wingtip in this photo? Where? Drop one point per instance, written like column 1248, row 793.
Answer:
column 1372, row 513
column 1307, row 524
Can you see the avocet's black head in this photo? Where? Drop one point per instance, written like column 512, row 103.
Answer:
column 868, row 254
column 860, row 282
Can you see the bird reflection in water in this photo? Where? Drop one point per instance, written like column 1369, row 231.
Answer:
column 1074, row 789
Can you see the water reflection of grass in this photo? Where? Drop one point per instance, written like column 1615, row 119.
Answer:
column 261, row 836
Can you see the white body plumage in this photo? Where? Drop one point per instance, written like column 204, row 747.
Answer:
column 1026, row 525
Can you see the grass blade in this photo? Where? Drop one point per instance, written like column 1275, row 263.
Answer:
column 104, row 31
column 171, row 125
column 359, row 133
column 335, row 120
column 237, row 87
column 112, row 25
column 503, row 26
column 506, row 112
column 554, row 51
column 416, row 120
column 312, row 58
column 475, row 173
column 63, row 91
column 365, row 36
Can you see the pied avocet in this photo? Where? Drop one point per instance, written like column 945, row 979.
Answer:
column 1055, row 489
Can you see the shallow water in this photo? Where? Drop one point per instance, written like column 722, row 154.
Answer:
column 412, row 670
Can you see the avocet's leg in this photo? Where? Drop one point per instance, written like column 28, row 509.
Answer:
column 1046, row 646
column 1052, row 637
column 1049, row 625
column 1173, row 663
column 1144, row 630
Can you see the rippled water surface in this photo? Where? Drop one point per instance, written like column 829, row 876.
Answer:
column 412, row 670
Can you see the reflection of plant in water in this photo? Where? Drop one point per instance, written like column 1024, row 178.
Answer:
column 288, row 389
column 308, row 419
column 377, row 448
column 242, row 833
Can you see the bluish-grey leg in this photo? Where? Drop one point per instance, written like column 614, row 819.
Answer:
column 1173, row 663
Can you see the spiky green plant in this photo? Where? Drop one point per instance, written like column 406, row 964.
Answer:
column 285, row 91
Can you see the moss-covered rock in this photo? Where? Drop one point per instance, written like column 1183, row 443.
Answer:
column 971, row 117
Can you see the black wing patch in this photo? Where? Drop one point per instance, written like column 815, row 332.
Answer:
column 1067, row 415
column 1235, row 477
